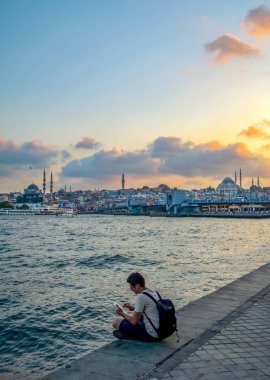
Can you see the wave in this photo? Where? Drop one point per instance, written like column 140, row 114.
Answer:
column 103, row 261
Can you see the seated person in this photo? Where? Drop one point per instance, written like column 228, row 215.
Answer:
column 137, row 326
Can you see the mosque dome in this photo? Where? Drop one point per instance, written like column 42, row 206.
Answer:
column 228, row 185
column 33, row 187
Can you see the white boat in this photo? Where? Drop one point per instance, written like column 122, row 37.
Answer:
column 66, row 213
column 16, row 212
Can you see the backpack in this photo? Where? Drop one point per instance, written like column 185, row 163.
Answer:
column 167, row 318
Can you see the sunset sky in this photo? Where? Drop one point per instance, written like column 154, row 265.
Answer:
column 174, row 92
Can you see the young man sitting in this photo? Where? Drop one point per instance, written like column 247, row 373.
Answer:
column 137, row 326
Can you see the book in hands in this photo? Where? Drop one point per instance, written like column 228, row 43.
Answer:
column 122, row 307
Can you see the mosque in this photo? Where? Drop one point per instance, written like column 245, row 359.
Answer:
column 32, row 194
column 228, row 187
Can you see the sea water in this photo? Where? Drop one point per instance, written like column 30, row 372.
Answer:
column 60, row 277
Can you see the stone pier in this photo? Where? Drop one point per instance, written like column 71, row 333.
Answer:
column 224, row 335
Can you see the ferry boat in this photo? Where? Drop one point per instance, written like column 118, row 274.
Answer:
column 12, row 211
column 66, row 213
column 43, row 210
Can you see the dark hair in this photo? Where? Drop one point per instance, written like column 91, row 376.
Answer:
column 136, row 278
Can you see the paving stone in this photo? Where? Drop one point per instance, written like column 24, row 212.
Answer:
column 239, row 361
column 266, row 371
column 179, row 374
column 240, row 350
column 227, row 362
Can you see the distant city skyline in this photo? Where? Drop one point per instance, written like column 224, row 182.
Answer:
column 165, row 92
column 46, row 184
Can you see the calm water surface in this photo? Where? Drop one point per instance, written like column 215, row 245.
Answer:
column 59, row 278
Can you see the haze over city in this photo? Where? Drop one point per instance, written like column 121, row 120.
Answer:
column 168, row 92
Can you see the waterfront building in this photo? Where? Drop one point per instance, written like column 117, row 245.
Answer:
column 228, row 189
column 174, row 200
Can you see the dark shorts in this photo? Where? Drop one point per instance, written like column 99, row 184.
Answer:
column 137, row 332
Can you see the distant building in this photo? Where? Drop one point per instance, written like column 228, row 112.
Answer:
column 30, row 195
column 228, row 188
column 4, row 198
column 123, row 181
column 174, row 200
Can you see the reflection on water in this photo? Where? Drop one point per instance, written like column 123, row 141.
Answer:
column 59, row 278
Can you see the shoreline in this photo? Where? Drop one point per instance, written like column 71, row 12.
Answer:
column 198, row 322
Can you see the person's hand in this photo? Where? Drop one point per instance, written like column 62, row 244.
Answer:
column 129, row 306
column 118, row 310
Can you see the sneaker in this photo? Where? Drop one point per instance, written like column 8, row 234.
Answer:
column 119, row 335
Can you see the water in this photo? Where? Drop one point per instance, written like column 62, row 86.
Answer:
column 59, row 278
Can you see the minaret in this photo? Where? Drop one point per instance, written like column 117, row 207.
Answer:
column 240, row 177
column 123, row 181
column 51, row 184
column 258, row 181
column 252, row 182
column 235, row 177
column 44, row 186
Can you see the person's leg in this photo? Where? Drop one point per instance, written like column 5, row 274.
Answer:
column 137, row 332
column 116, row 323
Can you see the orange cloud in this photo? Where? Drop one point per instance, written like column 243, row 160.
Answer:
column 254, row 132
column 211, row 145
column 257, row 22
column 242, row 150
column 265, row 148
column 266, row 122
column 227, row 47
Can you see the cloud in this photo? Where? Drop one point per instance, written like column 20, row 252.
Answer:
column 111, row 163
column 266, row 122
column 205, row 161
column 256, row 130
column 257, row 22
column 165, row 157
column 14, row 154
column 227, row 47
column 170, row 156
column 87, row 143
column 167, row 145
column 266, row 148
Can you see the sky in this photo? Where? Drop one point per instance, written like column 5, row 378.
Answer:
column 173, row 92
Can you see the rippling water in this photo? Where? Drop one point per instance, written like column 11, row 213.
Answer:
column 59, row 278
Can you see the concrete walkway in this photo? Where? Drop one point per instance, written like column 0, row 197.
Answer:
column 241, row 350
column 224, row 335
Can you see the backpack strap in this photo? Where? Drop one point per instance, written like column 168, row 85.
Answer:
column 152, row 298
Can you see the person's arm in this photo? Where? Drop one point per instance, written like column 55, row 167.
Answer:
column 134, row 319
column 129, row 306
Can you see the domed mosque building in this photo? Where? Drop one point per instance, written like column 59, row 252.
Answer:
column 31, row 195
column 228, row 188
column 32, row 189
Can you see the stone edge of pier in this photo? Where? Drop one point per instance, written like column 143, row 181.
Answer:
column 198, row 321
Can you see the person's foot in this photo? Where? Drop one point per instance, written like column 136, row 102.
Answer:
column 119, row 335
